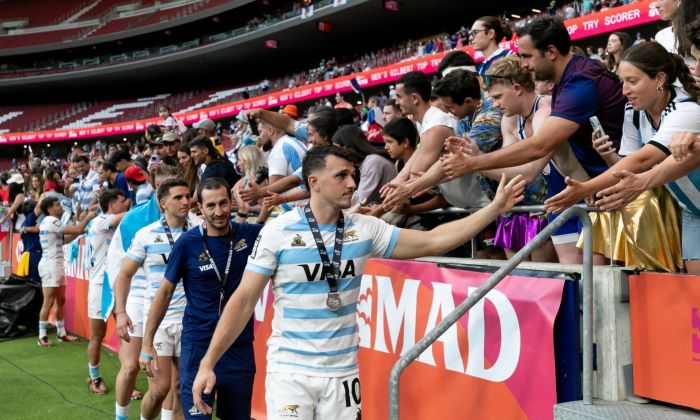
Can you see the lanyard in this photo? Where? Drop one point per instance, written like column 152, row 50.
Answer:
column 169, row 234
column 332, row 271
column 222, row 280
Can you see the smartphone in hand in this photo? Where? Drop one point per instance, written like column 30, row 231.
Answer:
column 595, row 123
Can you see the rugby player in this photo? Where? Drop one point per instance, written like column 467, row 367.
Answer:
column 52, row 235
column 150, row 249
column 114, row 207
column 312, row 366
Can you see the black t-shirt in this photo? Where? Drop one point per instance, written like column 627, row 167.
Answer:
column 221, row 168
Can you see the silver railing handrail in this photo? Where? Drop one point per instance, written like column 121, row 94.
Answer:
column 481, row 291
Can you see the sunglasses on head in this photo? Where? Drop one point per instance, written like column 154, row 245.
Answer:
column 489, row 79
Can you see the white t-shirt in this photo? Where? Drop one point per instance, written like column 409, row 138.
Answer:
column 435, row 116
column 285, row 156
column 307, row 337
column 99, row 236
column 667, row 39
column 680, row 116
column 151, row 248
column 51, row 239
column 464, row 192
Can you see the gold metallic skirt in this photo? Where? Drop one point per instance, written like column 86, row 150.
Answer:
column 645, row 234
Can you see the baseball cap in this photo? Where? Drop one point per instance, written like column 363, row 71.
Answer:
column 291, row 110
column 206, row 124
column 135, row 173
column 170, row 137
column 16, row 179
column 158, row 141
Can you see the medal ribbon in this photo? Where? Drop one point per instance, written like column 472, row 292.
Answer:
column 332, row 270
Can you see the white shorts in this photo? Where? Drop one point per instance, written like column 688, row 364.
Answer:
column 167, row 340
column 52, row 275
column 312, row 397
column 94, row 301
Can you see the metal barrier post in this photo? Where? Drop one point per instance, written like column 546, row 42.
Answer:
column 587, row 277
column 496, row 278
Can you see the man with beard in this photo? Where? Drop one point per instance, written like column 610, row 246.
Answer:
column 209, row 262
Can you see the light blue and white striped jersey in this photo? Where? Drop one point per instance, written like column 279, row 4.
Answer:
column 307, row 337
column 143, row 193
column 87, row 187
column 98, row 239
column 151, row 248
column 285, row 156
column 51, row 240
column 681, row 115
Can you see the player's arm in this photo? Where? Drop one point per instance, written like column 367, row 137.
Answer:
column 70, row 232
column 414, row 243
column 156, row 313
column 234, row 318
column 542, row 144
column 117, row 219
column 122, row 284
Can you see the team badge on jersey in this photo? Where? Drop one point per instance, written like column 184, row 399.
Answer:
column 350, row 235
column 203, row 257
column 289, row 410
column 297, row 241
column 158, row 239
column 240, row 245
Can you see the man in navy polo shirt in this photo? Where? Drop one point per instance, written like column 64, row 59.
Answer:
column 584, row 88
column 210, row 261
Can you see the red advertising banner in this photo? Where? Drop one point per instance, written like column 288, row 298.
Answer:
column 586, row 26
column 615, row 19
column 665, row 328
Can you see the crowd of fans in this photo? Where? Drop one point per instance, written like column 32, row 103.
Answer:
column 620, row 134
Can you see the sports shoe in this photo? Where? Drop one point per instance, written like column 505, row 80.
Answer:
column 136, row 394
column 44, row 342
column 97, row 386
column 67, row 338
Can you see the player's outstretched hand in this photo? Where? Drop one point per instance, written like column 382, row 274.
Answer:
column 509, row 193
column 203, row 384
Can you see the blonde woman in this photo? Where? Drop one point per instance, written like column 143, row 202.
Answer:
column 250, row 161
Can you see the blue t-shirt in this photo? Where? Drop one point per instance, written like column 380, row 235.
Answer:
column 586, row 89
column 30, row 240
column 121, row 184
column 189, row 262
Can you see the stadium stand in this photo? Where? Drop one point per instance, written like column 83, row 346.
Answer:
column 102, row 7
column 49, row 37
column 34, row 13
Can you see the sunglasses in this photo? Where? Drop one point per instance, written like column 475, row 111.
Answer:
column 489, row 79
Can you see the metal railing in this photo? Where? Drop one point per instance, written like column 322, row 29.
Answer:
column 479, row 293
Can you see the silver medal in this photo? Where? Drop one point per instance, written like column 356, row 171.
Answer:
column 333, row 301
